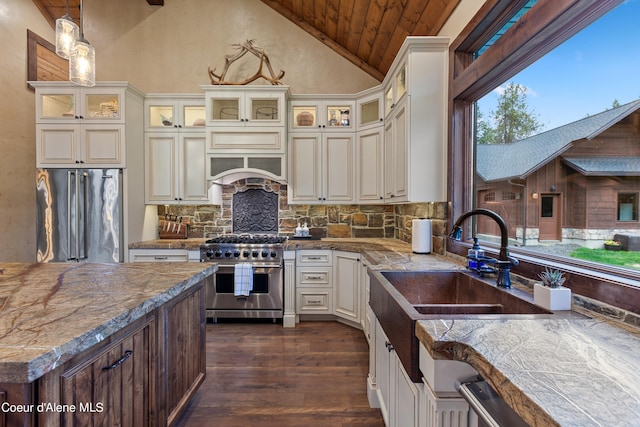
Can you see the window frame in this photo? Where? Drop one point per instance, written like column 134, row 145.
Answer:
column 544, row 27
column 636, row 198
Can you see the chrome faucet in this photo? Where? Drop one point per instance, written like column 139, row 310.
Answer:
column 504, row 260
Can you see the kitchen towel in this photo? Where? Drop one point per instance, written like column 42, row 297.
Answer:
column 242, row 279
column 421, row 236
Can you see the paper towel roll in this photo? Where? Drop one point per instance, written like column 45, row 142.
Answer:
column 421, row 236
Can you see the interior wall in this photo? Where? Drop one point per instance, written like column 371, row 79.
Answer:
column 17, row 131
column 169, row 48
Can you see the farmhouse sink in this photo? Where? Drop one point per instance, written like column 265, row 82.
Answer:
column 400, row 298
column 457, row 292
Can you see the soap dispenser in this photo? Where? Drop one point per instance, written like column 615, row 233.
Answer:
column 305, row 230
column 475, row 256
column 298, row 232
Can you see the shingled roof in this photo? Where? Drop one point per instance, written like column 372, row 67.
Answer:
column 498, row 162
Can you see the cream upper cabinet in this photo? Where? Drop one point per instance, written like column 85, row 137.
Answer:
column 64, row 102
column 170, row 112
column 321, row 167
column 85, row 126
column 175, row 168
column 334, row 113
column 396, row 176
column 175, row 159
column 370, row 149
column 370, row 165
column 246, row 106
column 369, row 107
column 415, row 137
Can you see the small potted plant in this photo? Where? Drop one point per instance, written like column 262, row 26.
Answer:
column 549, row 292
column 612, row 245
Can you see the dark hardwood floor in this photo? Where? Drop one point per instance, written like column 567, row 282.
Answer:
column 264, row 375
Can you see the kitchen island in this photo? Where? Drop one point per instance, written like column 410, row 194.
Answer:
column 82, row 341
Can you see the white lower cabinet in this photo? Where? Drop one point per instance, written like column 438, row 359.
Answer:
column 328, row 282
column 396, row 395
column 314, row 282
column 346, row 279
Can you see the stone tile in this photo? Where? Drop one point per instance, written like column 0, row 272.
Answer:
column 368, row 232
column 338, row 231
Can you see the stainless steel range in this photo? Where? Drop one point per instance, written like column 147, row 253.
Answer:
column 265, row 254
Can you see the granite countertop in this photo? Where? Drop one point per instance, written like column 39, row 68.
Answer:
column 51, row 311
column 567, row 372
column 577, row 371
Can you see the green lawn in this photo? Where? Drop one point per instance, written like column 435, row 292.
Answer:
column 620, row 258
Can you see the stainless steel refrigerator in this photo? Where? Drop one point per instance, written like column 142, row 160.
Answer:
column 80, row 215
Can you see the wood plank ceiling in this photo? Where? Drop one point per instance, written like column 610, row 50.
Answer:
column 368, row 33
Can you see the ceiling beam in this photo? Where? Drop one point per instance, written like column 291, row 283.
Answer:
column 325, row 40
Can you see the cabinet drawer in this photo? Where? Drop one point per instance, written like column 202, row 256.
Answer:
column 313, row 257
column 316, row 277
column 158, row 255
column 314, row 301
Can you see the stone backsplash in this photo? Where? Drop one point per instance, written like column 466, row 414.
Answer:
column 337, row 221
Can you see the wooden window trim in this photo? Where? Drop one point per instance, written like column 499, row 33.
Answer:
column 546, row 25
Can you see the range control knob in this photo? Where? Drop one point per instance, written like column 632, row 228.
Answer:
column 274, row 254
column 227, row 254
column 246, row 254
column 255, row 254
column 218, row 253
column 236, row 253
column 265, row 254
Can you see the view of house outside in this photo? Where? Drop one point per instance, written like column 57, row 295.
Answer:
column 558, row 147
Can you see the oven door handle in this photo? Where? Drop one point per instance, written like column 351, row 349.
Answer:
column 263, row 266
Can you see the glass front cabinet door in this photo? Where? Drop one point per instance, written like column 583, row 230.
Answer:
column 97, row 105
column 183, row 113
column 314, row 114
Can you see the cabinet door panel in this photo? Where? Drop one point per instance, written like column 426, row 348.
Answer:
column 103, row 144
column 160, row 167
column 339, row 155
column 194, row 185
column 305, row 168
column 114, row 387
column 346, row 268
column 370, row 166
column 57, row 145
column 401, row 154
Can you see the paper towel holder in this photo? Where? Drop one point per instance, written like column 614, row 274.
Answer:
column 421, row 236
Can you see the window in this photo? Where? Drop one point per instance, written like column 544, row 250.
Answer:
column 628, row 207
column 578, row 190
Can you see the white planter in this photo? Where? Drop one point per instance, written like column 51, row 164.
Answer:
column 552, row 298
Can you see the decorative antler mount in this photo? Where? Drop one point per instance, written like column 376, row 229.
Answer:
column 244, row 48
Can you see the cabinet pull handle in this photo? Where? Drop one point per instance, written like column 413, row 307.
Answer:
column 314, row 257
column 389, row 346
column 160, row 257
column 313, row 277
column 127, row 354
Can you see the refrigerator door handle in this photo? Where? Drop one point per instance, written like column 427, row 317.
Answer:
column 69, row 216
column 85, row 212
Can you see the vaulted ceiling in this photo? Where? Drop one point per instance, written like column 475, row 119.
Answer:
column 368, row 33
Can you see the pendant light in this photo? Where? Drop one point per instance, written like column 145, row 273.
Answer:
column 66, row 35
column 82, row 62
